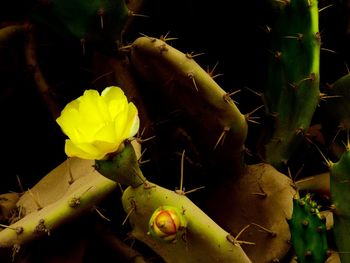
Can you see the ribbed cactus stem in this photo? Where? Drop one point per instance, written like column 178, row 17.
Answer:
column 292, row 89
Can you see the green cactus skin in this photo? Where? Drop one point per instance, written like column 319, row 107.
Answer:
column 337, row 109
column 70, row 190
column 292, row 88
column 204, row 241
column 308, row 231
column 340, row 197
column 187, row 85
column 118, row 168
column 85, row 19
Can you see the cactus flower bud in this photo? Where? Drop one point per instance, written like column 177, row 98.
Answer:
column 167, row 223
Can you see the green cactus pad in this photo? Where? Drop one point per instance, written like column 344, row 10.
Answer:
column 340, row 188
column 292, row 88
column 70, row 190
column 308, row 231
column 337, row 109
column 203, row 241
column 218, row 125
column 85, row 19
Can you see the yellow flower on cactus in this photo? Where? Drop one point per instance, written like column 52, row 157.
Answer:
column 96, row 125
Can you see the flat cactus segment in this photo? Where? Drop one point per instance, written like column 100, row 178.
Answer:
column 308, row 231
column 85, row 18
column 340, row 188
column 203, row 241
column 262, row 198
column 292, row 88
column 337, row 108
column 68, row 191
column 218, row 123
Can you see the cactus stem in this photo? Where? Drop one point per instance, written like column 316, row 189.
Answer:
column 35, row 199
column 163, row 48
column 270, row 232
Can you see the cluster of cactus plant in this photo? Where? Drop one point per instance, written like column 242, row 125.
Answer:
column 242, row 209
column 308, row 229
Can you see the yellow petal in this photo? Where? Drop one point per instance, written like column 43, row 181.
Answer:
column 106, row 133
column 93, row 108
column 132, row 123
column 68, row 121
column 112, row 93
column 115, row 99
column 73, row 151
column 120, row 123
column 106, row 147
column 97, row 125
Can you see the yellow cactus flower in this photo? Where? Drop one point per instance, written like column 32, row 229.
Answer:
column 97, row 125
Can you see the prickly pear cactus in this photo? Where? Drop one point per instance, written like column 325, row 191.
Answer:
column 337, row 108
column 202, row 241
column 292, row 88
column 85, row 20
column 340, row 188
column 220, row 127
column 308, row 231
column 67, row 192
